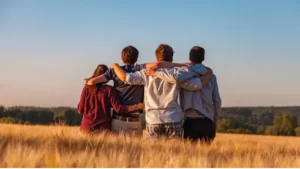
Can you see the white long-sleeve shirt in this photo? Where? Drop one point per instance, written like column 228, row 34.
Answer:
column 161, row 97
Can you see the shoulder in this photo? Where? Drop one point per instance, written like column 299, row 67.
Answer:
column 213, row 78
column 107, row 88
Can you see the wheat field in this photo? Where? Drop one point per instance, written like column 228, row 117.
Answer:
column 62, row 146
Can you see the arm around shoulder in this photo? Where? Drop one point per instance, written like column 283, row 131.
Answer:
column 97, row 80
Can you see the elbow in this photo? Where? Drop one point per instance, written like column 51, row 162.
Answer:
column 80, row 111
column 90, row 82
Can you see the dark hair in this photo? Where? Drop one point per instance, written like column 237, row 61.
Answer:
column 197, row 54
column 130, row 55
column 98, row 71
column 164, row 52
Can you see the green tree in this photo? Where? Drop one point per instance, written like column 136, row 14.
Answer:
column 72, row 117
column 224, row 124
column 1, row 111
column 260, row 130
column 277, row 120
column 286, row 124
column 297, row 131
column 289, row 121
column 246, row 112
column 8, row 120
column 45, row 117
column 32, row 117
column 272, row 130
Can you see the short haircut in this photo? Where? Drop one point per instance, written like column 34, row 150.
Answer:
column 130, row 55
column 197, row 54
column 164, row 52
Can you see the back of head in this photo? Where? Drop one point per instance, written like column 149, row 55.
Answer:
column 197, row 54
column 129, row 55
column 98, row 71
column 164, row 52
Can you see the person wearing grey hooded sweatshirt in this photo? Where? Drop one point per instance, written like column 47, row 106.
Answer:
column 202, row 108
column 163, row 113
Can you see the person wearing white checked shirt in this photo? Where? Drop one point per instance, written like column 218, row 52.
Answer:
column 164, row 115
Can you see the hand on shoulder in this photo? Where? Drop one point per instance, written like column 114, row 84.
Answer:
column 150, row 72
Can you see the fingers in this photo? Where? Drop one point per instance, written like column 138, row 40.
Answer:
column 187, row 64
column 141, row 106
column 150, row 72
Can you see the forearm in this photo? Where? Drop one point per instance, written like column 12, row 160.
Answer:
column 121, row 108
column 130, row 108
column 217, row 108
column 217, row 101
column 175, row 75
column 193, row 84
column 97, row 80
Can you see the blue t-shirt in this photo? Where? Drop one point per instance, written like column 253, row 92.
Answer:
column 128, row 94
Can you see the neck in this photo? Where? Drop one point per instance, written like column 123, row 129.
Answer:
column 127, row 64
column 196, row 63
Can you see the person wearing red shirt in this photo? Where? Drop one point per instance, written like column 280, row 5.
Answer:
column 96, row 102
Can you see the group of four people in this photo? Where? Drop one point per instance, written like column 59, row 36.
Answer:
column 179, row 99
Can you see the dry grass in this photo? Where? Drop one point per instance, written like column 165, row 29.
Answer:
column 57, row 146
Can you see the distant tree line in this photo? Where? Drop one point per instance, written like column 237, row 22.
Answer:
column 282, row 121
column 41, row 116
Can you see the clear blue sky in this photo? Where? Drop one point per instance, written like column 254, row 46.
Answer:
column 48, row 47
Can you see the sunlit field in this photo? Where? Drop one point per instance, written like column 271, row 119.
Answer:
column 61, row 146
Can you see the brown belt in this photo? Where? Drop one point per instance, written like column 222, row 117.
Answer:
column 127, row 119
column 194, row 118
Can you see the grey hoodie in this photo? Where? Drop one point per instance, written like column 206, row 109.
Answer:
column 206, row 101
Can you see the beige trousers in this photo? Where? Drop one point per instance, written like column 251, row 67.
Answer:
column 126, row 127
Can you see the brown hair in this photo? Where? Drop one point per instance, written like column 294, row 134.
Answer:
column 129, row 55
column 164, row 52
column 197, row 54
column 98, row 71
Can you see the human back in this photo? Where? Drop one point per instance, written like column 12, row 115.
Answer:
column 201, row 108
column 161, row 100
column 96, row 102
column 128, row 94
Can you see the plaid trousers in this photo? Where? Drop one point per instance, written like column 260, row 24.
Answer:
column 168, row 130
